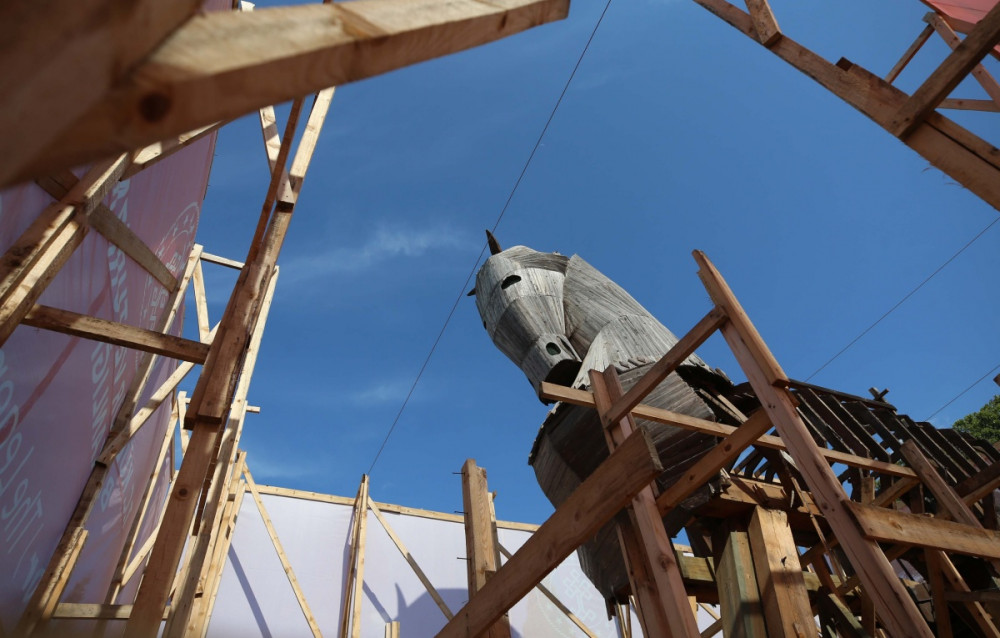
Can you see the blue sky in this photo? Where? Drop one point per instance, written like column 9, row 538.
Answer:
column 677, row 133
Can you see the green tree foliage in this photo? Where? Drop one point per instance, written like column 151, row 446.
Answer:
column 985, row 423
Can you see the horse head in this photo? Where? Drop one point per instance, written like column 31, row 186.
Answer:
column 519, row 294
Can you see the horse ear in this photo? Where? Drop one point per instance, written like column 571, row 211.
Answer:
column 493, row 243
column 471, row 293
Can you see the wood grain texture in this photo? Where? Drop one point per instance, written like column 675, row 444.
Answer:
column 783, row 594
column 631, row 467
column 220, row 65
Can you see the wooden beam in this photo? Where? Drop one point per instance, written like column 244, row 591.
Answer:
column 480, row 549
column 222, row 261
column 942, row 616
column 968, row 159
column 783, row 592
column 717, row 458
column 764, row 21
column 411, row 561
column 351, row 620
column 544, row 591
column 584, row 398
column 655, row 550
column 186, row 603
column 895, row 608
column 601, row 495
column 282, row 556
column 980, row 617
column 920, row 531
column 201, row 73
column 962, row 104
column 739, row 597
column 56, row 583
column 909, row 53
column 35, row 258
column 90, row 611
column 113, row 229
column 119, row 334
column 59, row 62
column 977, row 44
column 979, row 72
column 977, row 486
column 660, row 370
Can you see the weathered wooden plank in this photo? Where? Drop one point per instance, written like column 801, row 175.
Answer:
column 764, row 21
column 911, row 51
column 979, row 485
column 983, row 37
column 739, row 597
column 909, row 529
column 658, row 415
column 119, row 334
column 113, row 229
column 942, row 616
column 603, row 494
column 898, row 612
column 220, row 65
column 965, row 157
column 783, row 594
column 35, row 258
column 59, row 60
column 684, row 348
column 656, row 552
column 709, row 465
column 480, row 547
column 979, row 72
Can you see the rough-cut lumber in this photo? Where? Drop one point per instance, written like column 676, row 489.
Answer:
column 603, row 494
column 224, row 64
column 113, row 229
column 739, row 597
column 480, row 547
column 910, row 529
column 783, row 594
column 58, row 61
column 895, row 608
column 683, row 349
column 411, row 561
column 764, row 21
column 979, row 72
column 158, row 151
column 583, row 397
column 983, row 37
column 119, row 334
column 35, row 258
column 56, row 583
column 282, row 556
column 709, row 465
column 968, row 159
column 942, row 616
column 655, row 549
column 956, row 583
column 979, row 485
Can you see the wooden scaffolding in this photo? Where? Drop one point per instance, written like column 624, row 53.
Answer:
column 165, row 77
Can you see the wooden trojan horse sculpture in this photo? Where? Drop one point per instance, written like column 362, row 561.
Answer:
column 557, row 318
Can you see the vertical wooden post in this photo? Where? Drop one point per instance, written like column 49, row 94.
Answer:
column 779, row 575
column 898, row 612
column 656, row 552
column 350, row 620
column 739, row 597
column 480, row 544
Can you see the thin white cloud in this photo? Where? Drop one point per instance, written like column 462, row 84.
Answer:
column 387, row 243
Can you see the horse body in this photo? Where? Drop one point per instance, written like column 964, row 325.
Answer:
column 557, row 318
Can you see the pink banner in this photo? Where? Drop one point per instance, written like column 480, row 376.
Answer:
column 59, row 394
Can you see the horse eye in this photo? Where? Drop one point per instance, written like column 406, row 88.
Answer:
column 509, row 281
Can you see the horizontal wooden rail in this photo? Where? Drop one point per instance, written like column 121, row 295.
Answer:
column 553, row 392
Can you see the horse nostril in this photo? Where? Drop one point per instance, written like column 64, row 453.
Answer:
column 552, row 348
